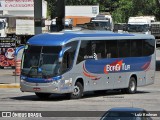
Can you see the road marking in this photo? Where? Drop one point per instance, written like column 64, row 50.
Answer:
column 9, row 86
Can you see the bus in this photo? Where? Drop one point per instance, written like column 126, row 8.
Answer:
column 73, row 62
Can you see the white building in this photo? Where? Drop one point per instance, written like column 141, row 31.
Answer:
column 20, row 8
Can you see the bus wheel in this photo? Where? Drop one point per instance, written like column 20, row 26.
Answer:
column 43, row 95
column 77, row 92
column 132, row 87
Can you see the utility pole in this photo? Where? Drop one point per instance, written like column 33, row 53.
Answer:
column 60, row 14
column 38, row 16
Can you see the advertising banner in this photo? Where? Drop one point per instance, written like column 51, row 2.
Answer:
column 7, row 48
column 18, row 5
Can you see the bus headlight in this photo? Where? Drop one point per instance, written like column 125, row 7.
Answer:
column 55, row 82
column 22, row 81
column 22, row 77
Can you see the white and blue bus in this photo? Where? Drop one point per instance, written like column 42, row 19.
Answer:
column 76, row 62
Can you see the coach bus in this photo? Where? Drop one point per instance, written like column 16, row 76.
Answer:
column 75, row 62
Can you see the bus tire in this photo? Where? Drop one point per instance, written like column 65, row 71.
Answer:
column 132, row 87
column 43, row 95
column 77, row 92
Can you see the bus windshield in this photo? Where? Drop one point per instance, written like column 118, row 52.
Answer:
column 137, row 28
column 41, row 61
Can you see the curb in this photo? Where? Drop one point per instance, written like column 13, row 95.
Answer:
column 10, row 85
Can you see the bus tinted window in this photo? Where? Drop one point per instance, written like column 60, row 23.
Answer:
column 99, row 48
column 69, row 55
column 50, row 54
column 111, row 49
column 124, row 48
column 136, row 48
column 32, row 52
column 148, row 47
column 85, row 51
column 51, row 49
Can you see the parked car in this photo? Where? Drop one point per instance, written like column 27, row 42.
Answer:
column 126, row 113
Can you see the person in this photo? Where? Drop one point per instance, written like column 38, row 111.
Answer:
column 33, row 61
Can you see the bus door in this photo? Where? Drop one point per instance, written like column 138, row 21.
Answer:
column 68, row 61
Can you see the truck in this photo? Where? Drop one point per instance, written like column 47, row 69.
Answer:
column 18, row 17
column 20, row 27
column 140, row 24
column 81, row 14
column 103, row 21
column 155, row 30
column 68, row 25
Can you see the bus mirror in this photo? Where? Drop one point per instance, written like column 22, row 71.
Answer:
column 18, row 49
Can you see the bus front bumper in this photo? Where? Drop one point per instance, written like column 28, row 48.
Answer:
column 53, row 87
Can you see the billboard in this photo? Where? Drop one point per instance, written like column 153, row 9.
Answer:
column 18, row 4
column 7, row 48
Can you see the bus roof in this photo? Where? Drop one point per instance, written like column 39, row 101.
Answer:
column 60, row 38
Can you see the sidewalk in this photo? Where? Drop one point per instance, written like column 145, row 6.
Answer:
column 7, row 79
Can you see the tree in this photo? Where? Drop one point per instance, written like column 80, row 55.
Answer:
column 121, row 10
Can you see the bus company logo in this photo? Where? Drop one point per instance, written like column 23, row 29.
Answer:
column 116, row 66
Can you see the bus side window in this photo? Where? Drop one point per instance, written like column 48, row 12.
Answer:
column 99, row 49
column 124, row 48
column 66, row 62
column 111, row 49
column 69, row 56
column 136, row 48
column 85, row 50
column 148, row 47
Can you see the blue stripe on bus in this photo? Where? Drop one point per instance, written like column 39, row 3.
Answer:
column 40, row 80
column 115, row 65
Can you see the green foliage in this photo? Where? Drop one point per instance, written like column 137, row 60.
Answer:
column 121, row 10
